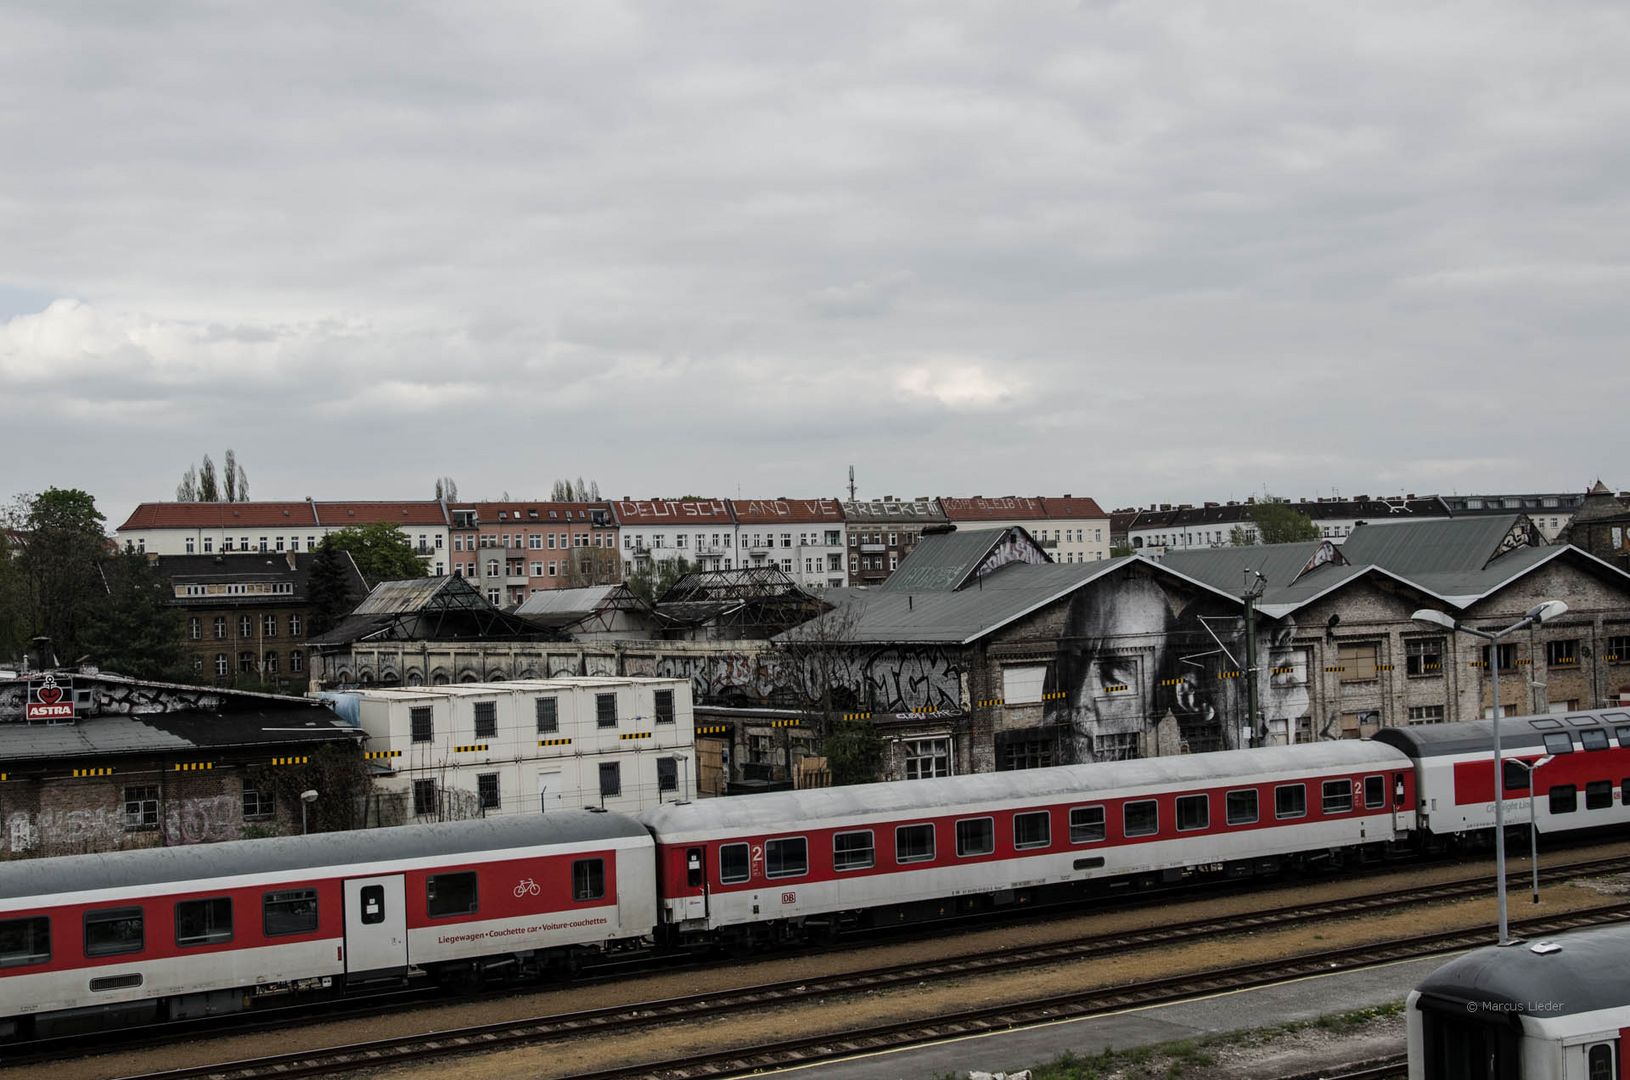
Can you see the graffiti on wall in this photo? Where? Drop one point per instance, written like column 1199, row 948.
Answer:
column 72, row 832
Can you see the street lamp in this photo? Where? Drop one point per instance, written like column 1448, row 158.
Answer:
column 1532, row 767
column 306, row 799
column 1540, row 613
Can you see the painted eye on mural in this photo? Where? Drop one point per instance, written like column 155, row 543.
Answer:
column 1116, row 676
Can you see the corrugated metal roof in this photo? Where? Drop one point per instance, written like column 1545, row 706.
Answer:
column 159, row 733
column 943, row 561
column 567, row 601
column 271, row 855
column 415, row 594
column 1431, row 546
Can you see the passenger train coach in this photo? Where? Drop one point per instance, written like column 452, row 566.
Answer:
column 170, row 933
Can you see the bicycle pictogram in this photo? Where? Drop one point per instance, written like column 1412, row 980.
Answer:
column 527, row 886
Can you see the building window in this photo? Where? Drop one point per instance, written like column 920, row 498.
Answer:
column 611, row 779
column 420, row 719
column 294, row 626
column 424, row 798
column 1508, row 657
column 1618, row 649
column 665, row 706
column 1562, row 653
column 220, row 628
column 1358, row 661
column 548, row 712
column 271, row 663
column 246, row 663
column 222, row 664
column 605, row 710
column 926, row 758
column 195, row 628
column 297, row 660
column 1423, row 656
column 1026, row 754
column 486, row 786
column 258, row 805
column 1116, row 746
column 1426, row 714
column 246, row 626
column 486, row 719
column 141, row 807
column 667, row 774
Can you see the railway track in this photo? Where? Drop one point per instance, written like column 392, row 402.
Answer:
column 608, row 1023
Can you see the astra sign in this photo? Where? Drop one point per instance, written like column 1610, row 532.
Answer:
column 50, row 700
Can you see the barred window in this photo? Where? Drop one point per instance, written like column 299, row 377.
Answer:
column 548, row 711
column 424, row 798
column 423, row 727
column 486, row 719
column 605, row 710
column 141, row 807
column 665, row 706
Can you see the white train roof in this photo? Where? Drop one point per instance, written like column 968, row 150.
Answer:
column 1586, row 974
column 1474, row 736
column 274, row 855
column 918, row 798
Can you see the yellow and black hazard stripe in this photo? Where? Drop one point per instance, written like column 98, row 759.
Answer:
column 379, row 755
column 554, row 742
column 194, row 766
column 301, row 760
column 719, row 729
column 627, row 735
column 80, row 774
column 471, row 748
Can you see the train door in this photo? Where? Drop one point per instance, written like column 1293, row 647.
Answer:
column 695, row 907
column 1592, row 1061
column 375, row 927
column 1401, row 822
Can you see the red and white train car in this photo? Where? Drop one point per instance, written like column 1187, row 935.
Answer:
column 1584, row 782
column 773, row 864
column 172, row 933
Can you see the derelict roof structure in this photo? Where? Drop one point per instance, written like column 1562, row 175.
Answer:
column 430, row 609
column 750, row 601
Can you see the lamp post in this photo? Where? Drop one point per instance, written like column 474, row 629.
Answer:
column 1531, row 768
column 1536, row 615
column 306, row 799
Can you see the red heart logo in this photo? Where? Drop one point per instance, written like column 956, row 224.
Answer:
column 50, row 695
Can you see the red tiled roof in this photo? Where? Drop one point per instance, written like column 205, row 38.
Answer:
column 775, row 511
column 202, row 515
column 1071, row 506
column 341, row 514
column 670, row 511
column 1005, row 508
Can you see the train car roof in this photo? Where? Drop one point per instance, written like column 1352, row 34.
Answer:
column 1472, row 736
column 793, row 809
column 157, row 866
column 1585, row 974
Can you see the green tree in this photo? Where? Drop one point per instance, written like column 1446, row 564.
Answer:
column 1277, row 522
column 14, row 604
column 655, row 577
column 1121, row 550
column 330, row 587
column 854, row 752
column 381, row 551
column 136, row 631
column 336, row 773
column 62, row 550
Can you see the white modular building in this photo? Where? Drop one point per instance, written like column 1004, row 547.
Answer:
column 529, row 746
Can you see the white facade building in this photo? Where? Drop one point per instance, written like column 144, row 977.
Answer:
column 531, row 746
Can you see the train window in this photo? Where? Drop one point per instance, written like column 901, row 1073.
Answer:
column 588, row 879
column 1564, row 799
column 913, row 843
column 446, row 895
column 1559, row 742
column 1141, row 818
column 1033, row 830
column 1624, row 736
column 291, row 911
column 1338, row 796
column 1599, row 795
column 1086, row 824
column 1375, row 792
column 1593, row 739
column 203, row 922
column 28, row 941
column 853, row 850
column 1516, row 776
column 373, row 904
column 1193, row 812
column 733, row 865
column 112, row 931
column 1290, row 801
column 1242, row 807
column 786, row 858
column 1599, row 1062
column 975, row 836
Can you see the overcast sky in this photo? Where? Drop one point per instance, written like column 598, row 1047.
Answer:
column 1144, row 252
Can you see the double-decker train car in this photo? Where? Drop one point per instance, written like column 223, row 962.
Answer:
column 1583, row 783
column 1549, row 1010
column 131, row 937
column 774, row 865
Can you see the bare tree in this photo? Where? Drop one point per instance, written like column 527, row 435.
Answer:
column 201, row 483
column 821, row 657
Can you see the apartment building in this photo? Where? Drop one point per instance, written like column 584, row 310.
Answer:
column 803, row 538
column 176, row 528
column 1069, row 529
column 510, row 550
column 882, row 532
column 700, row 531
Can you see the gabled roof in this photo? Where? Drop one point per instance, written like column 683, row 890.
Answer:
column 202, row 515
column 590, row 598
column 534, row 512
column 894, row 511
column 275, row 723
column 428, row 609
column 789, row 511
column 990, row 602
column 1004, row 508
column 341, row 514
column 671, row 511
column 946, row 561
column 1071, row 507
column 290, row 567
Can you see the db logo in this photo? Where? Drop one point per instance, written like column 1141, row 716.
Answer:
column 789, row 898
